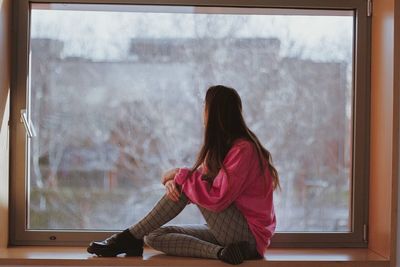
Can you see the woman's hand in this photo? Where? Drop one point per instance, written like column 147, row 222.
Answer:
column 169, row 175
column 172, row 191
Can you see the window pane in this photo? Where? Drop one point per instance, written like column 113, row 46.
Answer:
column 116, row 98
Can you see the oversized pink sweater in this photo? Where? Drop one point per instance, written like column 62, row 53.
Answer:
column 248, row 189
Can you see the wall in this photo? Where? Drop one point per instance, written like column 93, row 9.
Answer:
column 383, row 167
column 5, row 61
column 396, row 98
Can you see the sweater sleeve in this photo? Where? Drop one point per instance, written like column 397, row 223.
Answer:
column 225, row 188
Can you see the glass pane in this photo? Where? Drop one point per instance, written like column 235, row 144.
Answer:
column 116, row 98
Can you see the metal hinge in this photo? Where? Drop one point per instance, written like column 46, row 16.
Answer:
column 369, row 8
column 365, row 233
column 30, row 130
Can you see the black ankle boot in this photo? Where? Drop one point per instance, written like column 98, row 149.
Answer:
column 123, row 242
column 234, row 253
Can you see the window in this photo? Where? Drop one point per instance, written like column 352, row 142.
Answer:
column 115, row 99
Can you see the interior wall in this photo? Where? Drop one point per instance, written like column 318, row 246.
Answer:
column 5, row 61
column 396, row 99
column 381, row 167
column 4, row 148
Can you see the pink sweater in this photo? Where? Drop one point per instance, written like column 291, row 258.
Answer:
column 248, row 190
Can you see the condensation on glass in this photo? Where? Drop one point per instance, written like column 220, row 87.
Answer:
column 116, row 97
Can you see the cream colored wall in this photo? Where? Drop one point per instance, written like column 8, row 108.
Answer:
column 4, row 177
column 5, row 21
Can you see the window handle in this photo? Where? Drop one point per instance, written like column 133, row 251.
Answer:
column 30, row 130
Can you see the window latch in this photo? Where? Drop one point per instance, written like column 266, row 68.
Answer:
column 30, row 130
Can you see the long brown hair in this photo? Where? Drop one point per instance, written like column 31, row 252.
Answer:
column 224, row 123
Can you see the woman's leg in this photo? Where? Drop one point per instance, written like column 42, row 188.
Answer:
column 188, row 241
column 207, row 241
column 229, row 227
column 164, row 211
column 130, row 241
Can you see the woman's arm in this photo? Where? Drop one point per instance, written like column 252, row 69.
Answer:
column 169, row 175
column 171, row 191
column 225, row 188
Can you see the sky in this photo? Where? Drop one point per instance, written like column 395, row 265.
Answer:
column 100, row 34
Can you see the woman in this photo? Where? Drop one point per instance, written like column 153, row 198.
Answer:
column 232, row 183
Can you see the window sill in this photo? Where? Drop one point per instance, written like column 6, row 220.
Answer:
column 77, row 256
